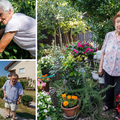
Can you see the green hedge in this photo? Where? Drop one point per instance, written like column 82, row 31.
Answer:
column 26, row 99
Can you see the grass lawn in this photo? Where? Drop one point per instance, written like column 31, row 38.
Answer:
column 23, row 111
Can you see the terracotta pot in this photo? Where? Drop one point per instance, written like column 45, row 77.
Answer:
column 70, row 111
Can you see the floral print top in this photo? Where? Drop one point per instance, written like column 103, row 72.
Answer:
column 111, row 48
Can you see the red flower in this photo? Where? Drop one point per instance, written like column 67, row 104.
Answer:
column 118, row 98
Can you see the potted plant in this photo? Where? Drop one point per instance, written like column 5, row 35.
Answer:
column 45, row 63
column 43, row 82
column 95, row 75
column 70, row 105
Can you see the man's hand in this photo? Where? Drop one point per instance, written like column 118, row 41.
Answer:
column 17, row 102
column 5, row 95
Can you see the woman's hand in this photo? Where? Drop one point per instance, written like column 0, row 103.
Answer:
column 100, row 71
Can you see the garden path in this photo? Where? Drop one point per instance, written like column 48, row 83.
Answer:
column 3, row 112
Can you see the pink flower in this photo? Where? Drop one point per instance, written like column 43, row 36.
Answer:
column 69, row 48
column 66, row 46
column 72, row 44
column 38, row 84
column 87, row 44
column 43, row 84
column 83, row 44
column 63, row 50
column 72, row 52
column 76, row 51
column 91, row 46
column 47, row 93
column 90, row 50
column 87, row 49
column 96, row 49
column 83, row 53
column 78, row 43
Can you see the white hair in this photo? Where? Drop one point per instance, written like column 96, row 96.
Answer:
column 6, row 5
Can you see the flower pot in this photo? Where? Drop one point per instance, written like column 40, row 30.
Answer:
column 70, row 111
column 101, row 80
column 45, row 71
column 95, row 75
column 90, row 57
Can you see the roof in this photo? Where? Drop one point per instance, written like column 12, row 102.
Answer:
column 6, row 68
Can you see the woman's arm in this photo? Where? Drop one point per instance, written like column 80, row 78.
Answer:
column 5, row 40
column 100, row 71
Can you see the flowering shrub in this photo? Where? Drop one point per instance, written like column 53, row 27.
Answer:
column 45, row 62
column 80, row 48
column 118, row 105
column 44, row 107
column 69, row 100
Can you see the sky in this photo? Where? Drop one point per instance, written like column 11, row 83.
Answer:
column 3, row 64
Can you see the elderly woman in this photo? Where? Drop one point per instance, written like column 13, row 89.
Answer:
column 110, row 63
column 19, row 27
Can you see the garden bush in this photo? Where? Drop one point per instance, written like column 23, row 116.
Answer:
column 24, row 83
column 1, row 94
column 26, row 99
column 2, row 81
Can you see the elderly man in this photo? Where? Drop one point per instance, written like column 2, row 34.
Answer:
column 19, row 27
column 13, row 92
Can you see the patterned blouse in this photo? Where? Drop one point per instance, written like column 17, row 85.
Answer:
column 111, row 48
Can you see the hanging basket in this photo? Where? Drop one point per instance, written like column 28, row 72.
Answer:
column 45, row 71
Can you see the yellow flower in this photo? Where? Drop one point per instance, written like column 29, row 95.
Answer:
column 65, row 103
column 28, row 2
column 68, row 97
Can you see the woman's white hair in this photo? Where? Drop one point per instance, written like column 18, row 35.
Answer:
column 6, row 5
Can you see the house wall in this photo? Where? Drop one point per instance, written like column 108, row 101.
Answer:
column 30, row 69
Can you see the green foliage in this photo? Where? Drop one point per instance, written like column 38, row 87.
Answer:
column 1, row 94
column 57, row 17
column 88, row 96
column 44, row 105
column 100, row 14
column 24, row 83
column 13, row 51
column 2, row 81
column 26, row 99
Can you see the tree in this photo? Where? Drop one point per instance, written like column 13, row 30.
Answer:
column 58, row 17
column 100, row 14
